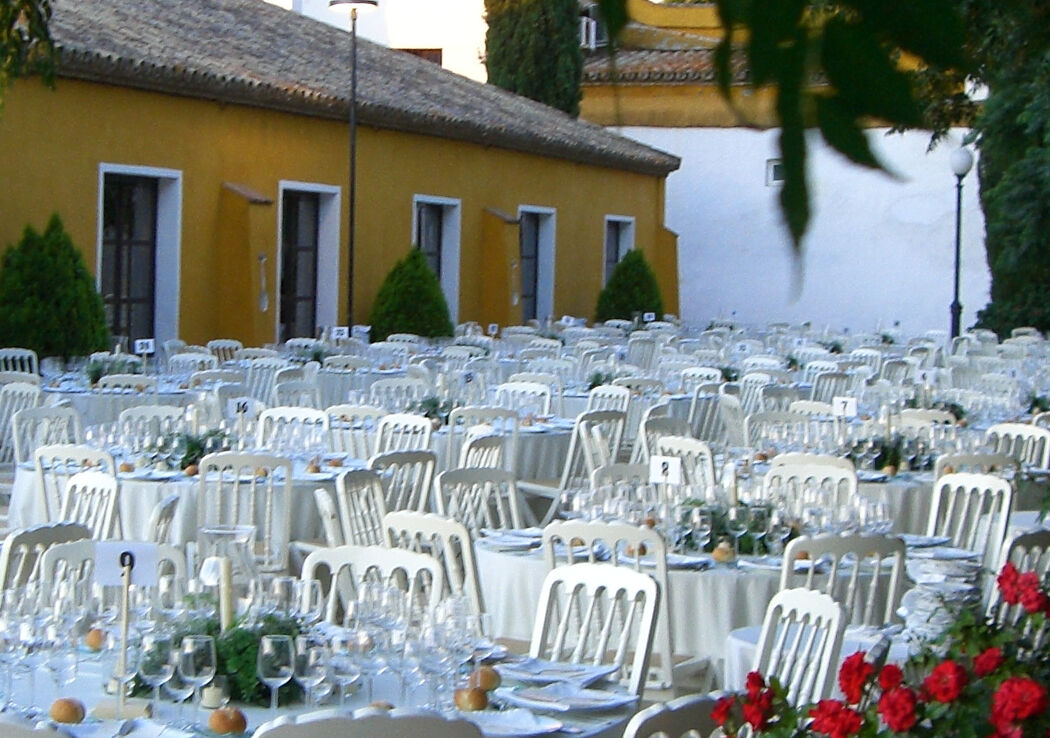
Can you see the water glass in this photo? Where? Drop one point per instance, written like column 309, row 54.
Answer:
column 275, row 665
column 197, row 665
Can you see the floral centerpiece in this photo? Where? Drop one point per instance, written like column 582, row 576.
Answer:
column 98, row 368
column 981, row 678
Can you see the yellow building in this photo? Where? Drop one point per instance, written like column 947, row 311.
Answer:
column 197, row 152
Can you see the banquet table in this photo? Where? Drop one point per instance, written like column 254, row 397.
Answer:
column 104, row 407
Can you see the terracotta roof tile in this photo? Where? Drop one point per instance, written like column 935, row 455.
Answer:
column 657, row 66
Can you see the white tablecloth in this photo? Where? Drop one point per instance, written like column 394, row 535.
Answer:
column 540, row 453
column 97, row 407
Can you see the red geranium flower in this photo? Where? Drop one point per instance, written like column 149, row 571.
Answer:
column 755, row 684
column 945, row 683
column 1033, row 599
column 1008, row 584
column 1017, row 699
column 722, row 708
column 853, row 675
column 835, row 719
column 897, row 708
column 757, row 712
column 890, row 677
column 988, row 661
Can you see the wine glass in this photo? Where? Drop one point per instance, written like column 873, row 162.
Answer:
column 311, row 601
column 155, row 666
column 197, row 666
column 779, row 530
column 62, row 655
column 701, row 525
column 275, row 665
column 343, row 660
column 736, row 524
column 311, row 665
column 757, row 525
column 177, row 687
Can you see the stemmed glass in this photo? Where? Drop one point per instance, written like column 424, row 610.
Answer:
column 178, row 687
column 778, row 531
column 197, row 666
column 311, row 665
column 736, row 524
column 155, row 666
column 757, row 524
column 62, row 655
column 275, row 665
column 345, row 669
column 701, row 526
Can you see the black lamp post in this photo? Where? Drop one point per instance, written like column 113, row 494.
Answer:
column 961, row 161
column 352, row 192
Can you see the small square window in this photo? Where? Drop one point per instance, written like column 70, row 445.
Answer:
column 774, row 172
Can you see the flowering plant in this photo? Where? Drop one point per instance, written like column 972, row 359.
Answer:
column 983, row 678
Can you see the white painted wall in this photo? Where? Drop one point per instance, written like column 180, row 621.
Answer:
column 878, row 249
column 457, row 27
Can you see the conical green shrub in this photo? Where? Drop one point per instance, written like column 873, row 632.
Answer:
column 631, row 289
column 48, row 300
column 410, row 301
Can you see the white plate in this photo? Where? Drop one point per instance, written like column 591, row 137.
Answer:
column 540, row 671
column 564, row 697
column 507, row 543
column 517, row 722
column 674, row 561
column 944, row 553
column 915, row 541
column 163, row 474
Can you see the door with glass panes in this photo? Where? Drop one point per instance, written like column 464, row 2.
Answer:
column 127, row 274
column 299, row 252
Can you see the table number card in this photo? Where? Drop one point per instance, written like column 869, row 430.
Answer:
column 340, row 332
column 649, row 317
column 665, row 470
column 145, row 346
column 242, row 407
column 844, row 407
column 493, row 329
column 108, row 567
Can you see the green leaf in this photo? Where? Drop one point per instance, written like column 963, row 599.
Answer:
column 931, row 29
column 794, row 196
column 841, row 131
column 614, row 13
column 723, row 60
column 866, row 79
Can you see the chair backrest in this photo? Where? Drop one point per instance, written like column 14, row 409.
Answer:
column 856, row 574
column 978, row 463
column 75, row 560
column 536, row 376
column 695, row 376
column 33, row 427
column 828, row 385
column 162, row 518
column 778, row 397
column 361, row 505
column 688, row 716
column 1027, row 443
column 598, row 614
column 224, row 349
column 758, row 425
column 479, row 498
column 421, row 574
column 609, row 397
column 352, row 429
column 147, row 421
column 533, row 397
column 407, row 478
column 751, row 391
column 403, row 432
column 91, row 498
column 398, row 394
column 503, row 421
column 482, row 447
column 14, row 397
column 653, row 429
column 445, row 539
column 803, row 482
column 250, row 353
column 368, row 722
column 56, row 463
column 330, row 521
column 973, row 510
column 21, row 550
column 698, row 461
column 812, row 407
column 20, row 377
column 19, row 360
column 262, row 371
column 595, row 442
column 731, row 414
column 296, row 393
column 297, row 428
column 613, row 474
column 1028, row 552
column 188, row 363
column 705, row 419
column 249, row 489
column 800, row 643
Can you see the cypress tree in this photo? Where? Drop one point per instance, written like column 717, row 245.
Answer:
column 632, row 288
column 532, row 48
column 410, row 300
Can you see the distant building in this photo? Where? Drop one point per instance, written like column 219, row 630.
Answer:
column 197, row 151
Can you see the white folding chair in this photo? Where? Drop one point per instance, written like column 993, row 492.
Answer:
column 448, row 541
column 359, row 496
column 188, row 363
column 804, row 480
column 609, row 397
column 479, row 498
column 403, row 432
column 261, row 374
column 856, row 573
column 297, row 428
column 653, row 428
column 92, row 498
column 330, row 522
column 56, row 463
column 248, row 489
column 406, row 477
column 598, row 614
column 41, row 426
column 19, row 360
column 21, row 550
column 685, row 717
column 502, row 420
column 530, row 397
column 974, row 511
column 352, row 429
column 224, row 349
column 1028, row 552
column 398, row 394
column 150, row 421
column 698, row 461
column 296, row 393
column 349, row 566
column 13, row 398
column 800, row 643
column 535, row 376
column 1027, row 443
column 482, row 447
column 829, row 385
column 368, row 722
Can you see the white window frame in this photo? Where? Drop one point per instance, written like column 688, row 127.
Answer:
column 626, row 241
column 329, row 273
column 451, row 230
column 169, row 242
column 545, row 258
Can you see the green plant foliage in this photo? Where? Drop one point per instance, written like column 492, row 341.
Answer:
column 410, row 301
column 48, row 300
column 852, row 46
column 632, row 288
column 532, row 48
column 25, row 42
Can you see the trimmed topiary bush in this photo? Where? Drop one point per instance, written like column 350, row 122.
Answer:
column 48, row 300
column 410, row 301
column 632, row 288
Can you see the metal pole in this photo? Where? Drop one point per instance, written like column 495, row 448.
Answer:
column 353, row 169
column 956, row 308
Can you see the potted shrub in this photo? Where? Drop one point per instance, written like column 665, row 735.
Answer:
column 632, row 290
column 410, row 301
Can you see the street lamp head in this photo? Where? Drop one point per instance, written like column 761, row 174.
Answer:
column 349, row 5
column 961, row 161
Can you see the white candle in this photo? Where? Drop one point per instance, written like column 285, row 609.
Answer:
column 226, row 607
